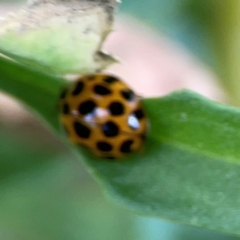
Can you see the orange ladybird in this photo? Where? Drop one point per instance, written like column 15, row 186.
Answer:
column 103, row 114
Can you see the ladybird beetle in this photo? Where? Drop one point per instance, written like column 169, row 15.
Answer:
column 102, row 113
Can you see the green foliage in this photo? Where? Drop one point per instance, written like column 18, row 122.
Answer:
column 73, row 36
column 24, row 83
column 189, row 169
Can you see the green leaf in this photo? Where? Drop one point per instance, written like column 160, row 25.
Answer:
column 188, row 171
column 73, row 32
column 37, row 90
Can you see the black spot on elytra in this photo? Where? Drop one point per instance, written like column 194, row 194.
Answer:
column 78, row 88
column 116, row 108
column 128, row 94
column 101, row 90
column 110, row 79
column 139, row 114
column 104, row 146
column 87, row 107
column 81, row 130
column 65, row 108
column 126, row 146
column 110, row 129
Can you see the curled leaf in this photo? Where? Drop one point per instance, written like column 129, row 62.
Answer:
column 59, row 36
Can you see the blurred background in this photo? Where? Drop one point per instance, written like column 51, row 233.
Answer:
column 46, row 192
